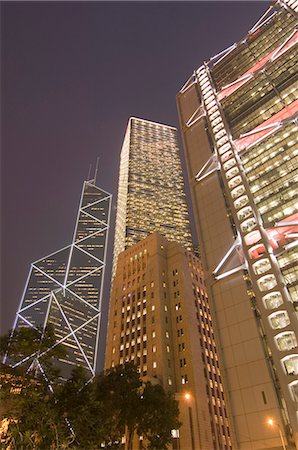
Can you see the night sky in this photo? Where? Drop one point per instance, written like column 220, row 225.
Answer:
column 71, row 75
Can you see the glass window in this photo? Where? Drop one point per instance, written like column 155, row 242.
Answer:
column 224, row 148
column 286, row 340
column 279, row 319
column 248, row 225
column 229, row 163
column 272, row 300
column 234, row 182
column 239, row 190
column 291, row 364
column 256, row 251
column 232, row 172
column 226, row 155
column 244, row 212
column 267, row 282
column 294, row 390
column 242, row 201
column 261, row 266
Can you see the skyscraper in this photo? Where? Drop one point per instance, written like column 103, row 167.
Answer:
column 64, row 289
column 151, row 193
column 159, row 319
column 238, row 114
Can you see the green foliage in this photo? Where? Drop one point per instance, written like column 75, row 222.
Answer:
column 119, row 389
column 39, row 343
column 159, row 416
column 79, row 414
column 35, row 420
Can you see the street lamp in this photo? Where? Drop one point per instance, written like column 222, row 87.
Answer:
column 271, row 423
column 187, row 396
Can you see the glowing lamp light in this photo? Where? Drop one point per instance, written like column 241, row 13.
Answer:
column 270, row 422
column 187, row 396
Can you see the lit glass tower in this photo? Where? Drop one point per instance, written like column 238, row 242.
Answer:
column 151, row 193
column 65, row 288
column 238, row 115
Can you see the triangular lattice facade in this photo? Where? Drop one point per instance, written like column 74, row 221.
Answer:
column 65, row 288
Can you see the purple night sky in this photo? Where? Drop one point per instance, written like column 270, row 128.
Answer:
column 72, row 74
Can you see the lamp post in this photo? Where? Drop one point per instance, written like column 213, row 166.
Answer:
column 188, row 397
column 271, row 423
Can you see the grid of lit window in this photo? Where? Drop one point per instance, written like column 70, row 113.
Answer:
column 272, row 171
column 253, row 124
column 252, row 49
column 65, row 288
column 147, row 325
column 133, row 317
column 150, row 198
column 214, row 387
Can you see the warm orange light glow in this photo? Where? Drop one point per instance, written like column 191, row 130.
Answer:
column 187, row 396
column 270, row 422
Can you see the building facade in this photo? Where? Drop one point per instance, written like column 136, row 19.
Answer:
column 65, row 288
column 159, row 318
column 238, row 115
column 151, row 194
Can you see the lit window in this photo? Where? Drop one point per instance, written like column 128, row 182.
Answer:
column 248, row 225
column 267, row 282
column 244, row 212
column 184, row 379
column 232, row 172
column 261, row 266
column 291, row 364
column 279, row 319
column 272, row 300
column 286, row 340
column 154, row 365
column 294, row 390
column 242, row 201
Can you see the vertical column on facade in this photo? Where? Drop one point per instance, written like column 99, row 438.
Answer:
column 272, row 297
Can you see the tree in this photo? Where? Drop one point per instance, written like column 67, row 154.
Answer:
column 26, row 398
column 142, row 409
column 30, row 406
column 159, row 416
column 35, row 347
column 77, row 413
column 119, row 389
column 78, row 401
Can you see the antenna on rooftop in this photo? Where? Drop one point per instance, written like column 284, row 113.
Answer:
column 96, row 169
column 89, row 172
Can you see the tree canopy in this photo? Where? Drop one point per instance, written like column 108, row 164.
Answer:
column 80, row 414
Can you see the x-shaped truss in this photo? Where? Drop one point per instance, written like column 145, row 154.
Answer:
column 65, row 288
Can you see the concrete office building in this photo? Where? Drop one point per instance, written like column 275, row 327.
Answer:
column 159, row 318
column 238, row 114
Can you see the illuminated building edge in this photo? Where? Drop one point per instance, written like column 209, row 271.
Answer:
column 65, row 288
